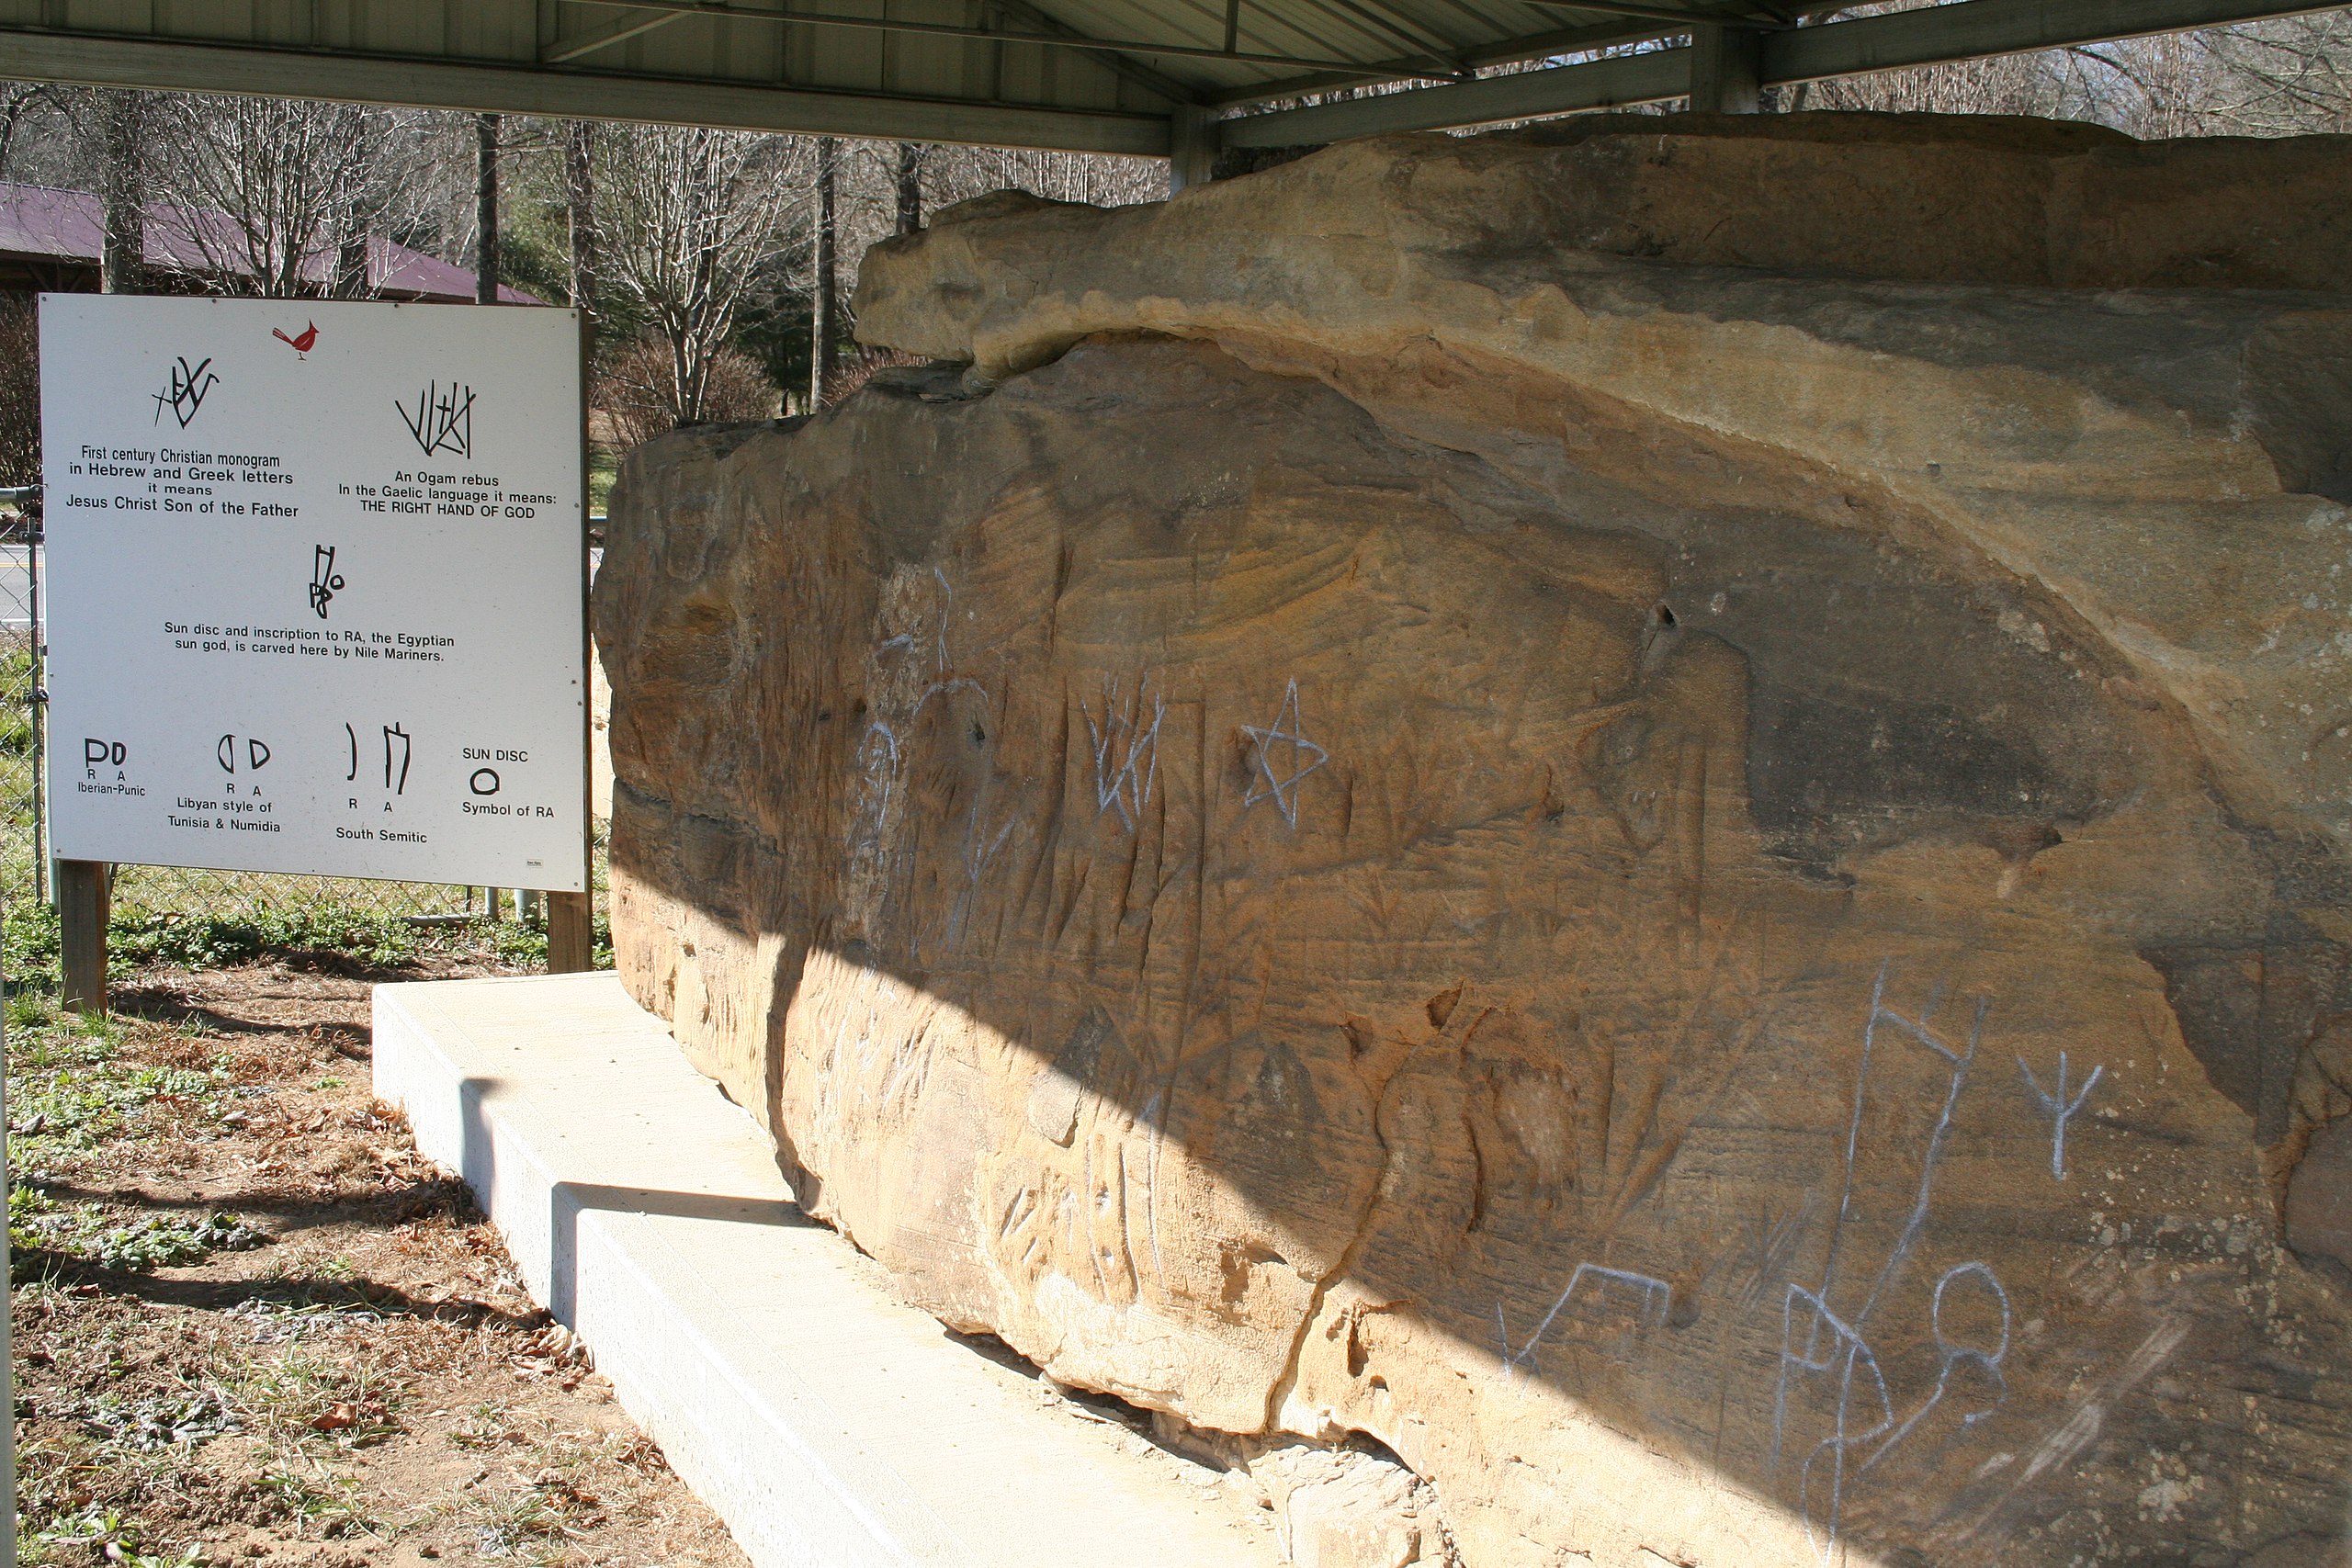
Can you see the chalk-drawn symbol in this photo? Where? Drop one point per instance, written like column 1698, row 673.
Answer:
column 2058, row 1107
column 396, row 742
column 185, row 393
column 946, row 613
column 1834, row 1347
column 980, row 847
column 443, row 419
column 1126, row 752
column 1278, row 780
column 1644, row 1298
column 485, row 782
column 301, row 342
column 1958, row 1064
column 325, row 582
column 877, row 753
column 1853, row 1367
column 1986, row 1361
column 257, row 754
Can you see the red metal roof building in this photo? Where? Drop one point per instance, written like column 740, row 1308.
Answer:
column 51, row 239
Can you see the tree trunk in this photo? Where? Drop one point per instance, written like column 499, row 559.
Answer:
column 580, row 194
column 821, row 292
column 910, row 187
column 351, row 279
column 486, row 209
column 122, row 256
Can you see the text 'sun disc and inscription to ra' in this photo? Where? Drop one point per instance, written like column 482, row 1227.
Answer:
column 315, row 587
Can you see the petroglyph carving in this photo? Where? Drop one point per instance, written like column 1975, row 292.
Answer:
column 1284, row 758
column 1651, row 713
column 1640, row 1301
column 1126, row 751
column 1861, row 1406
column 1954, row 1357
column 1834, row 1349
column 2058, row 1107
column 877, row 758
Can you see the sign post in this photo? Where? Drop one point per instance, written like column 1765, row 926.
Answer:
column 316, row 594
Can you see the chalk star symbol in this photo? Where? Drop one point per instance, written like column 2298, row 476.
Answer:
column 1304, row 757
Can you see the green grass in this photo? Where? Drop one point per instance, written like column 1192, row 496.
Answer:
column 320, row 1500
column 41, row 1231
column 69, row 1089
column 141, row 939
column 603, row 466
column 316, row 1401
column 93, row 1536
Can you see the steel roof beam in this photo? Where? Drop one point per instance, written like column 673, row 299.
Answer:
column 572, row 48
column 1971, row 29
column 342, row 74
column 1979, row 28
column 1512, row 51
column 1679, row 14
column 1647, row 78
column 1126, row 66
column 677, row 10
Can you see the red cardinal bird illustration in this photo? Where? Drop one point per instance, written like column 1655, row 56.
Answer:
column 310, row 335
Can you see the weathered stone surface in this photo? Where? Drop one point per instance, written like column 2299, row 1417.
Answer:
column 1712, row 904
column 1922, row 198
column 2319, row 1199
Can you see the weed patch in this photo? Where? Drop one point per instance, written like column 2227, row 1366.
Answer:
column 309, row 1403
column 69, row 1088
column 87, row 1233
column 94, row 1537
column 160, row 1421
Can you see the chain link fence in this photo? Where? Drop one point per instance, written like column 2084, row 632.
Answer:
column 24, row 848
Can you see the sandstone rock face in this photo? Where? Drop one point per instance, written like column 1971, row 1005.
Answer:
column 1713, row 903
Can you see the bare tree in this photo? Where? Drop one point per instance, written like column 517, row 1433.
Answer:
column 19, row 390
column 2284, row 77
column 687, row 217
column 275, row 197
column 955, row 174
column 824, row 286
column 123, row 254
column 580, row 203
column 634, row 391
column 486, row 127
column 2287, row 76
column 909, row 188
column 2006, row 84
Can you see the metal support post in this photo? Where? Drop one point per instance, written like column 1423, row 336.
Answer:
column 7, row 1350
column 1191, row 148
column 1726, row 69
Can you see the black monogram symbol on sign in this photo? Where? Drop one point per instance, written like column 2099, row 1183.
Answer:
column 443, row 419
column 397, row 743
column 184, row 394
column 325, row 580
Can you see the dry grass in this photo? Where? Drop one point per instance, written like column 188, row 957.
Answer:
column 252, row 1327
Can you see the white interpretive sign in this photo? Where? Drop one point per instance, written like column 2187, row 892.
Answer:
column 316, row 578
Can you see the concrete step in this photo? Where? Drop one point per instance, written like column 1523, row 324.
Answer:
column 831, row 1425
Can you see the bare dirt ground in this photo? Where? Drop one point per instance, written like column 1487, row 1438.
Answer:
column 252, row 1328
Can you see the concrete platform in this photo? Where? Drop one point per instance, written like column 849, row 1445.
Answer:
column 830, row 1426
